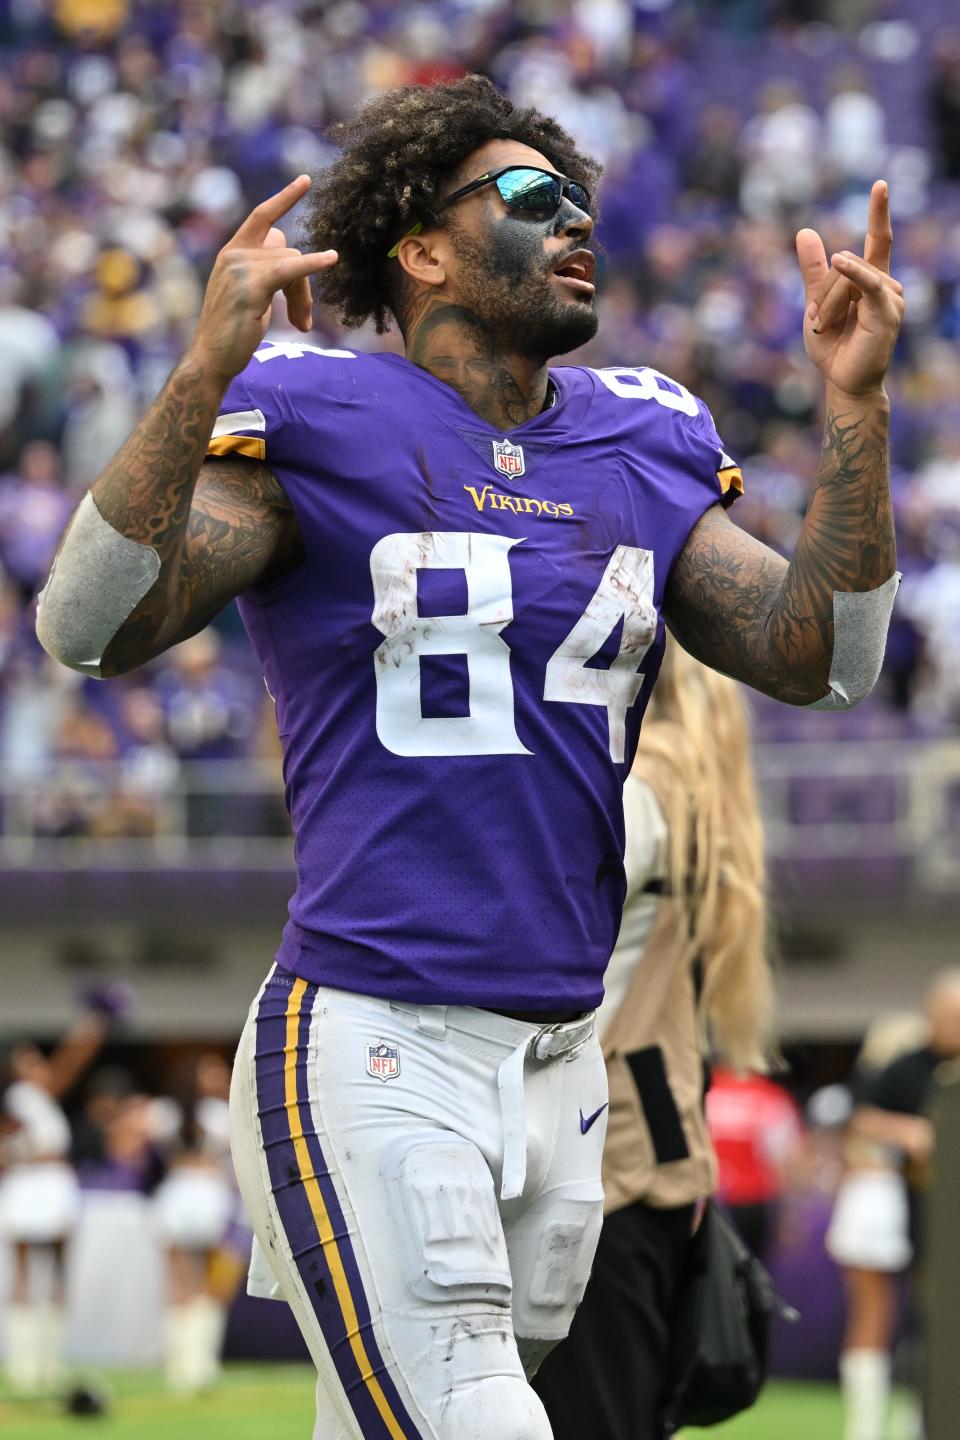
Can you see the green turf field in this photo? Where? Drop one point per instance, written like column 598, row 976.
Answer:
column 275, row 1402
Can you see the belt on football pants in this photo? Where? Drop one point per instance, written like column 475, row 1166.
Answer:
column 547, row 1044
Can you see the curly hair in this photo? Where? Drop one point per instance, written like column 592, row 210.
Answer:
column 398, row 151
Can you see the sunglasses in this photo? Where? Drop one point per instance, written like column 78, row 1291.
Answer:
column 527, row 192
column 530, row 193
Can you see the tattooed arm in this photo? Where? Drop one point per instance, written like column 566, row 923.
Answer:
column 738, row 606
column 240, row 530
column 216, row 527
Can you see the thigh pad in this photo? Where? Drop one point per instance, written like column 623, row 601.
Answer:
column 551, row 1251
column 449, row 1232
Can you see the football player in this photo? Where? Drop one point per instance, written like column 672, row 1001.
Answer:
column 456, row 566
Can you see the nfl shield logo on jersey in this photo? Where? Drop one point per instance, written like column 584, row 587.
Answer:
column 507, row 458
column 383, row 1061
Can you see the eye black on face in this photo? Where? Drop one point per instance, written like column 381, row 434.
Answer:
column 516, row 247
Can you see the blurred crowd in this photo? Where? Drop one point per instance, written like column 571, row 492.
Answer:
column 135, row 134
column 121, row 1177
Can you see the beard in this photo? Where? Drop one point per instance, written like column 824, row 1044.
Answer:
column 506, row 284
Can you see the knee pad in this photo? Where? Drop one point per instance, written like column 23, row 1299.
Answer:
column 500, row 1408
column 449, row 1231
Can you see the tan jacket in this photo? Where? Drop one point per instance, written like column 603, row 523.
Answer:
column 657, row 1149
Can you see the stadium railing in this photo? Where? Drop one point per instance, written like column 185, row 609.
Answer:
column 878, row 810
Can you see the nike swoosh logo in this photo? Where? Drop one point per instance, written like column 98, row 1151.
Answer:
column 587, row 1121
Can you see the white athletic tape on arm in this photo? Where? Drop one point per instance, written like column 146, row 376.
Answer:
column 97, row 580
column 860, row 624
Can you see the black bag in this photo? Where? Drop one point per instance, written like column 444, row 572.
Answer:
column 722, row 1330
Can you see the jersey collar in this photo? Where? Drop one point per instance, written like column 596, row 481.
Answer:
column 572, row 395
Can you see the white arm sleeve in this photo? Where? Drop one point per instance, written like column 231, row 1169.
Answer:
column 97, row 580
column 860, row 624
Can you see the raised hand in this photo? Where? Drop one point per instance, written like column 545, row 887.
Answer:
column 248, row 272
column 854, row 306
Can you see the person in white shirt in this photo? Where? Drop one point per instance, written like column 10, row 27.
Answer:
column 196, row 1209
column 39, row 1195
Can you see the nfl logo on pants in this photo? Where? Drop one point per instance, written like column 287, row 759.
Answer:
column 383, row 1061
column 507, row 458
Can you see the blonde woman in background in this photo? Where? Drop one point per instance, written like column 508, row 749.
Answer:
column 690, row 962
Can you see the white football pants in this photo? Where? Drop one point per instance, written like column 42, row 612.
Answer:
column 425, row 1185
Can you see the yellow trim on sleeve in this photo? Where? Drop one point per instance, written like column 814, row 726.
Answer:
column 253, row 445
column 321, row 1216
column 731, row 478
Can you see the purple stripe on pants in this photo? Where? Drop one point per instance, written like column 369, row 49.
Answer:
column 296, row 1215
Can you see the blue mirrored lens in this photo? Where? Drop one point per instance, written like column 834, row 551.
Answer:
column 530, row 191
column 579, row 196
column 533, row 192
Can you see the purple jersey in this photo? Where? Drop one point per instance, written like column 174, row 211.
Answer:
column 461, row 665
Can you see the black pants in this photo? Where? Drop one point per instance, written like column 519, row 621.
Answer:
column 756, row 1226
column 606, row 1380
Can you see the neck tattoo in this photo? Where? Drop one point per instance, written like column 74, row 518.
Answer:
column 453, row 344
